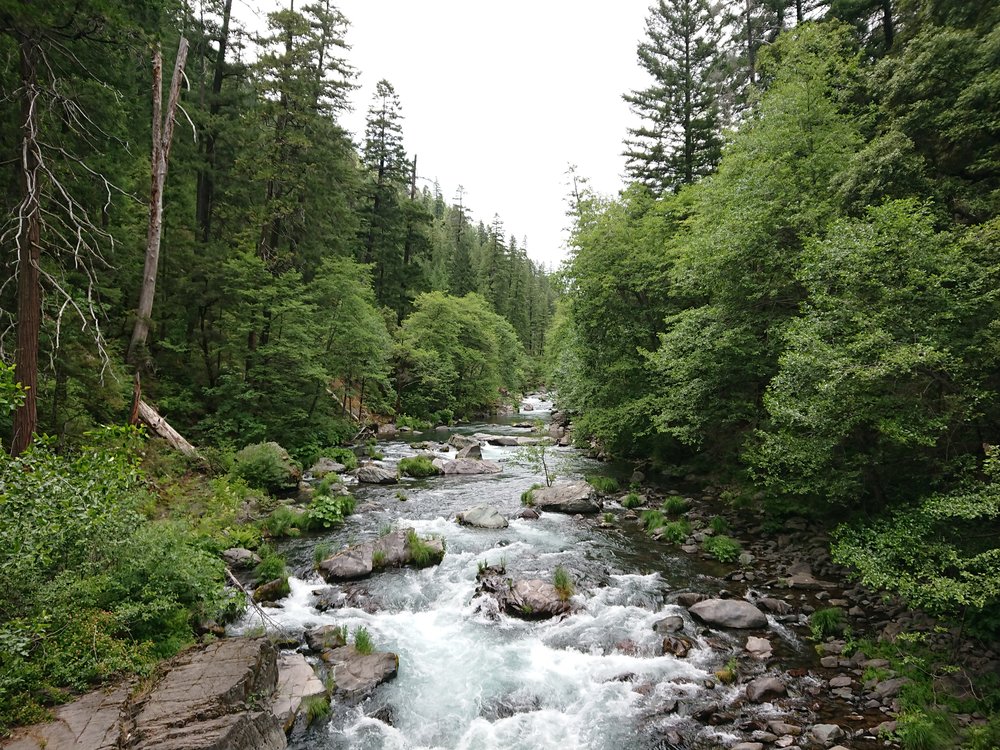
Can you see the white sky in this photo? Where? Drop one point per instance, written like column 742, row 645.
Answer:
column 501, row 97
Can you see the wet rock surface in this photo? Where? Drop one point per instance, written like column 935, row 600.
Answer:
column 482, row 516
column 567, row 497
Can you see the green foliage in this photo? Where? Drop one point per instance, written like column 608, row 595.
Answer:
column 344, row 456
column 652, row 519
column 537, row 459
column 418, row 425
column 91, row 587
column 563, row 583
column 422, row 553
column 528, row 496
column 417, row 466
column 924, row 730
column 604, row 485
column 676, row 532
column 722, row 548
column 327, row 483
column 314, row 708
column 363, row 641
column 326, row 512
column 378, row 559
column 266, row 466
column 285, row 521
column 608, row 518
column 719, row 525
column 321, row 551
column 456, row 354
column 674, row 506
column 824, row 623
column 632, row 500
column 271, row 566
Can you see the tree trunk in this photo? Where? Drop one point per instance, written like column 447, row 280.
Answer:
column 29, row 294
column 163, row 133
column 888, row 27
column 206, row 177
column 162, row 429
column 798, row 11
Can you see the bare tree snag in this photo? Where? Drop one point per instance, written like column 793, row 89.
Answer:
column 163, row 133
column 162, row 429
column 29, row 285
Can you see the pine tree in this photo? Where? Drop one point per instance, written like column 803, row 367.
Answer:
column 679, row 139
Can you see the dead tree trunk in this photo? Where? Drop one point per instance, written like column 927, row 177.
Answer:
column 206, row 177
column 163, row 133
column 29, row 286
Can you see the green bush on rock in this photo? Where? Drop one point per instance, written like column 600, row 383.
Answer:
column 266, row 466
column 417, row 466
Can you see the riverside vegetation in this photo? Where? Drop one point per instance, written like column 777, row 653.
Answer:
column 803, row 306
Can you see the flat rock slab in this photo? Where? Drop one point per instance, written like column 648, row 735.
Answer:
column 567, row 497
column 90, row 723
column 466, row 466
column 510, row 441
column 389, row 551
column 375, row 474
column 325, row 466
column 483, row 517
column 729, row 613
column 462, row 441
column 352, row 563
column 471, row 451
column 296, row 681
column 204, row 701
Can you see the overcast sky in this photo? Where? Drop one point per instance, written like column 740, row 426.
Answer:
column 501, row 97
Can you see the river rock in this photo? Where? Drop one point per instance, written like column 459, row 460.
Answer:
column 826, row 733
column 324, row 637
column 759, row 647
column 359, row 674
column 774, row 606
column 296, row 682
column 471, row 451
column 466, row 466
column 271, row 591
column 669, row 624
column 782, row 728
column 678, row 645
column 763, row 688
column 841, row 681
column 748, row 746
column 387, row 431
column 567, row 497
column 324, row 466
column 690, row 598
column 240, row 558
column 729, row 613
column 510, row 441
column 483, row 517
column 528, row 514
column 352, row 563
column 462, row 441
column 371, row 473
column 535, row 600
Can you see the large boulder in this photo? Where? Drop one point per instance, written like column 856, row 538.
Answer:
column 535, row 600
column 358, row 674
column 510, row 441
column 324, row 637
column 483, row 517
column 240, row 558
column 267, row 466
column 462, row 441
column 372, row 473
column 764, row 688
column 466, row 466
column 729, row 613
column 567, row 497
column 387, row 431
column 395, row 550
column 324, row 466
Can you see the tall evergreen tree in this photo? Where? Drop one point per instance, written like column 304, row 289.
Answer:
column 679, row 138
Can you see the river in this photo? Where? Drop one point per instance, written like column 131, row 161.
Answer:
column 593, row 679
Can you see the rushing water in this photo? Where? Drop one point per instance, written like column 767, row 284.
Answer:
column 593, row 679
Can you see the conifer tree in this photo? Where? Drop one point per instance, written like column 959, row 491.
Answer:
column 678, row 140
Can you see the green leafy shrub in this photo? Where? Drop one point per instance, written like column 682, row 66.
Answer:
column 325, row 512
column 92, row 589
column 924, row 730
column 417, row 466
column 674, row 506
column 284, row 521
column 826, row 622
column 719, row 525
column 722, row 548
column 652, row 519
column 271, row 566
column 421, row 552
column 632, row 500
column 344, row 456
column 563, row 583
column 320, row 552
column 315, row 707
column 604, row 485
column 528, row 496
column 608, row 518
column 676, row 532
column 266, row 466
column 327, row 483
column 404, row 420
column 363, row 641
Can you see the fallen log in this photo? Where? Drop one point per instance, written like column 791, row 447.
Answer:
column 162, row 429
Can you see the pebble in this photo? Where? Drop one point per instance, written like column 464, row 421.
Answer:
column 841, row 681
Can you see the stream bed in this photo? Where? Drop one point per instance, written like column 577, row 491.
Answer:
column 595, row 678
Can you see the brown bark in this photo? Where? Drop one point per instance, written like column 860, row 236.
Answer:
column 163, row 133
column 162, row 429
column 29, row 304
